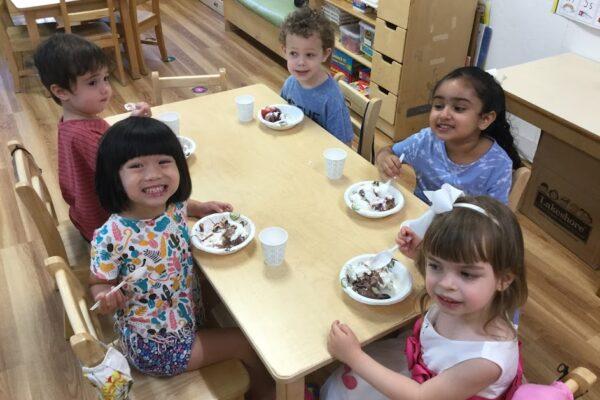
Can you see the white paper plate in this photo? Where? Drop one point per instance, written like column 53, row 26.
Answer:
column 371, row 213
column 210, row 220
column 188, row 145
column 399, row 270
column 291, row 116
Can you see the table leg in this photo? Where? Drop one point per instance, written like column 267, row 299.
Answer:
column 291, row 390
column 126, row 20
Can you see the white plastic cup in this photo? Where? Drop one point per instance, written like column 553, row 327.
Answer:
column 245, row 107
column 171, row 119
column 334, row 162
column 273, row 241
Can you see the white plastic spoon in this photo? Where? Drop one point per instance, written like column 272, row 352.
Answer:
column 383, row 258
column 135, row 275
column 385, row 188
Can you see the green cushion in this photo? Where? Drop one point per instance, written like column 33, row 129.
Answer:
column 273, row 11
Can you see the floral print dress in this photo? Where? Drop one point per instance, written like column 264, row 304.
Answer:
column 161, row 308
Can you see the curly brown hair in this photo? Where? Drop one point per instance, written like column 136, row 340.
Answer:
column 305, row 22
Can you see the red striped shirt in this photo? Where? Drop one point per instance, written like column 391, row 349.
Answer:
column 78, row 142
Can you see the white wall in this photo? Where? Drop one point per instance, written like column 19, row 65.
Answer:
column 527, row 30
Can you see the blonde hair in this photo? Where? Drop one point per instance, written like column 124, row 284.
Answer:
column 466, row 236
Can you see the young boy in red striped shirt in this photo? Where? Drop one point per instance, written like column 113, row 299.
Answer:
column 76, row 73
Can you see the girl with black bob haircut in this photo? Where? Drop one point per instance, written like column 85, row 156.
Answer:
column 142, row 178
column 130, row 138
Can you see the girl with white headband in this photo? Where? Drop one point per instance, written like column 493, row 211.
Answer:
column 464, row 346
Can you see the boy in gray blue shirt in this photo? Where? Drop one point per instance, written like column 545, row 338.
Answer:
column 308, row 39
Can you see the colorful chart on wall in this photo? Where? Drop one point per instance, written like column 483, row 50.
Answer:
column 584, row 11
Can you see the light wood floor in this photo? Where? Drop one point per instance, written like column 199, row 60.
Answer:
column 561, row 322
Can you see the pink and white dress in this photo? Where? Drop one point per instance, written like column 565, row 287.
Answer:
column 427, row 354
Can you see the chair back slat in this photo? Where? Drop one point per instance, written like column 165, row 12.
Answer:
column 520, row 178
column 368, row 111
column 74, row 297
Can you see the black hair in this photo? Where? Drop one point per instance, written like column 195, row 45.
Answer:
column 130, row 138
column 63, row 57
column 492, row 96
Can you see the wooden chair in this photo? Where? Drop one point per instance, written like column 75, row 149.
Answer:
column 33, row 193
column 520, row 178
column 579, row 381
column 15, row 43
column 144, row 20
column 227, row 380
column 367, row 111
column 85, row 20
column 158, row 83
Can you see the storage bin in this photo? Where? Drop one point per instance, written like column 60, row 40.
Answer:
column 367, row 37
column 390, row 39
column 350, row 37
column 386, row 72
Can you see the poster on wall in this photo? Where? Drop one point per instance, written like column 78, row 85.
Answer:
column 584, row 11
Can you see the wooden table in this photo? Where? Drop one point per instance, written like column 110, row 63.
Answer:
column 277, row 178
column 560, row 96
column 35, row 9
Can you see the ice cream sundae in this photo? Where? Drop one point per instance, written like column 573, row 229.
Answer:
column 372, row 196
column 225, row 233
column 372, row 283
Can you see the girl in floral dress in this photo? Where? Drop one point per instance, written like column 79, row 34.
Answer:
column 142, row 178
column 465, row 346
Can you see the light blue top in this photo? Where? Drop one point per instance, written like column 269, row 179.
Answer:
column 323, row 104
column 491, row 175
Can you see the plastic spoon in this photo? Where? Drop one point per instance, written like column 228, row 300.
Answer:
column 383, row 258
column 129, row 107
column 385, row 188
column 135, row 275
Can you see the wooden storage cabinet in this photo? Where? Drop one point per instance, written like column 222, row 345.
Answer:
column 395, row 12
column 388, row 102
column 417, row 42
column 386, row 71
column 389, row 39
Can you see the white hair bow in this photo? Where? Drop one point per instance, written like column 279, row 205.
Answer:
column 442, row 200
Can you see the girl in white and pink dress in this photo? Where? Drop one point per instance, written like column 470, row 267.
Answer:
column 465, row 346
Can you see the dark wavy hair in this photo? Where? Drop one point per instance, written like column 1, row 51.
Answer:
column 304, row 22
column 63, row 57
column 130, row 138
column 467, row 236
column 492, row 96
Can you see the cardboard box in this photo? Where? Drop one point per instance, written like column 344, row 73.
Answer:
column 563, row 197
column 335, row 69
